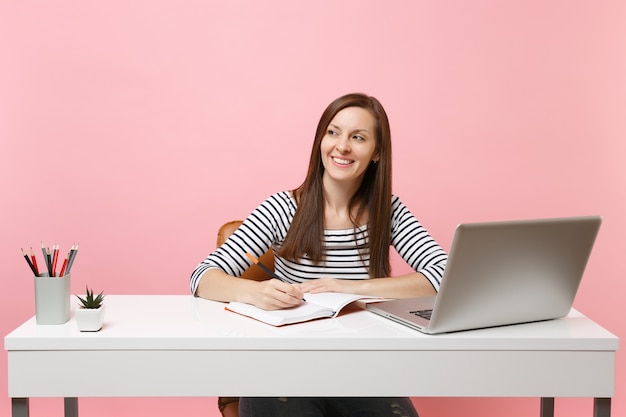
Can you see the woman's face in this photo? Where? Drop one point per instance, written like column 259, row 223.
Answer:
column 349, row 145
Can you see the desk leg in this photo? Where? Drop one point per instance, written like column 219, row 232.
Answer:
column 547, row 407
column 71, row 406
column 19, row 407
column 601, row 407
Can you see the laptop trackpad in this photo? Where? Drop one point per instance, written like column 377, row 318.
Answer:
column 406, row 310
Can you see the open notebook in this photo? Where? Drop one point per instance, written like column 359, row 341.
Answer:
column 316, row 306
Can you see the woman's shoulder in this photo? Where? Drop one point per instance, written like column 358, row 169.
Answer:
column 399, row 210
column 280, row 203
column 282, row 198
column 396, row 202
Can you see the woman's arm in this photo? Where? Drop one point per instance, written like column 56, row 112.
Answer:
column 217, row 276
column 270, row 295
column 404, row 286
column 416, row 246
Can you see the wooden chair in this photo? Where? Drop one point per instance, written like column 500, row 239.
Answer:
column 229, row 406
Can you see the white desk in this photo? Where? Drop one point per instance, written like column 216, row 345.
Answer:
column 176, row 345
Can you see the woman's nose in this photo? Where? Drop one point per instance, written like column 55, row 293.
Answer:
column 343, row 145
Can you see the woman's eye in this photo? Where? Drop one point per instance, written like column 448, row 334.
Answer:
column 332, row 132
column 358, row 137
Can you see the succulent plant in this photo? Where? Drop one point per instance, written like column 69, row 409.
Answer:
column 90, row 301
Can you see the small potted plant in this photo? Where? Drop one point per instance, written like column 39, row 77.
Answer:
column 90, row 312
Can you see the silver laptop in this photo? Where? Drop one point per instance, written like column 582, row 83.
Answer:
column 502, row 273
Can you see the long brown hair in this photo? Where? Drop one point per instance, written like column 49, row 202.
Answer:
column 306, row 233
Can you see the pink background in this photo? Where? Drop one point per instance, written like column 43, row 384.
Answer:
column 136, row 127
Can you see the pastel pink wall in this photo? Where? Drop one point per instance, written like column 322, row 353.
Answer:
column 135, row 128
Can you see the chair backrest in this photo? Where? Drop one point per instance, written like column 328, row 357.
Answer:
column 254, row 272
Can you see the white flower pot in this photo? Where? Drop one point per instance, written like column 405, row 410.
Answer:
column 89, row 319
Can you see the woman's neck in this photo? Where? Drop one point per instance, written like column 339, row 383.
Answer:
column 337, row 198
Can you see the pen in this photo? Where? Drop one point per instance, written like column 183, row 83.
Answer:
column 263, row 267
column 30, row 263
column 267, row 270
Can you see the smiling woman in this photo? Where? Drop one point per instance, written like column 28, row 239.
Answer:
column 346, row 203
column 331, row 234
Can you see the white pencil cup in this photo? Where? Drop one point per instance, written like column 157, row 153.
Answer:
column 52, row 299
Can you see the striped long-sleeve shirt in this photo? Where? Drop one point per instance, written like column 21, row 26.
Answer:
column 345, row 258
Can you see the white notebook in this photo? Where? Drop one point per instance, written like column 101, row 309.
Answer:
column 316, row 306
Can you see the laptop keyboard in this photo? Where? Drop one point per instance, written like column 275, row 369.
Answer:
column 422, row 313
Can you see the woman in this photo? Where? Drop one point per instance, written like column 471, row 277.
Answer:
column 331, row 234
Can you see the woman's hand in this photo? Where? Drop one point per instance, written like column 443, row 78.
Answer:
column 324, row 285
column 274, row 294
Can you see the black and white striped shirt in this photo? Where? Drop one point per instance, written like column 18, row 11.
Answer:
column 346, row 255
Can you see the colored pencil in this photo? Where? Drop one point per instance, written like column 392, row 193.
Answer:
column 34, row 260
column 72, row 256
column 45, row 258
column 62, row 273
column 55, row 257
column 30, row 263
